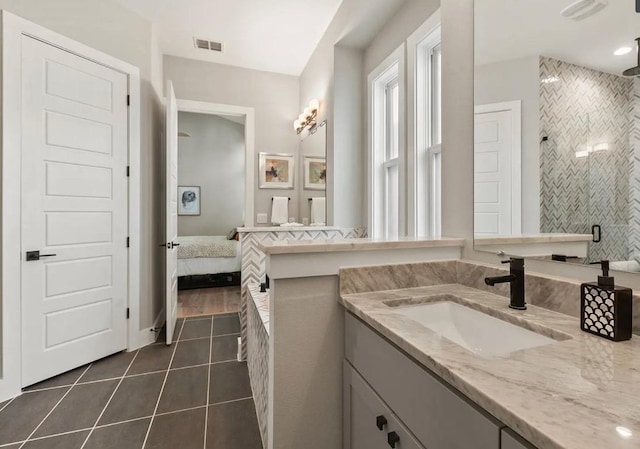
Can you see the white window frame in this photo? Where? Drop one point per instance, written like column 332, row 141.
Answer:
column 424, row 183
column 391, row 68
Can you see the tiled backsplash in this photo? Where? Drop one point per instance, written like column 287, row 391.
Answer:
column 561, row 296
column 391, row 277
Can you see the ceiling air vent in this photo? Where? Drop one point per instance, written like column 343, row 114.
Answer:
column 205, row 44
column 582, row 9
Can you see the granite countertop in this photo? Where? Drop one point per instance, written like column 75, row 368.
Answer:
column 580, row 392
column 323, row 246
column 533, row 238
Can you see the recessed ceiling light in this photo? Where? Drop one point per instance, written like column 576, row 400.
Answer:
column 622, row 51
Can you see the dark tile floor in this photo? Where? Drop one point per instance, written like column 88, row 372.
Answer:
column 192, row 394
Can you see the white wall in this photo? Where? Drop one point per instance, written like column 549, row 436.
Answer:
column 275, row 98
column 518, row 79
column 334, row 75
column 113, row 29
column 212, row 158
column 406, row 20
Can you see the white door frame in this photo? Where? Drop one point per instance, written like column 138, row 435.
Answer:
column 13, row 27
column 515, row 108
column 201, row 107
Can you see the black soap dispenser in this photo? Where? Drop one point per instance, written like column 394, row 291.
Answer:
column 606, row 310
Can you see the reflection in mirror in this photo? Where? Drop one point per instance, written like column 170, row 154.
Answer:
column 557, row 135
column 313, row 172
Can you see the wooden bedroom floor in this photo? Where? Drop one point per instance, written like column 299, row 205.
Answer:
column 208, row 301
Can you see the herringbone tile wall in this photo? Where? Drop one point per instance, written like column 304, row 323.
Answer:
column 634, row 201
column 585, row 107
column 253, row 259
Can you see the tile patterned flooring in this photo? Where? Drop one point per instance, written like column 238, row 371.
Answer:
column 208, row 301
column 192, row 394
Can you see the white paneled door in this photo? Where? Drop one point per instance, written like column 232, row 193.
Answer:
column 171, row 196
column 497, row 172
column 74, row 211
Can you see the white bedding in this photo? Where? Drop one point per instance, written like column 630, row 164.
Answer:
column 213, row 265
column 193, row 246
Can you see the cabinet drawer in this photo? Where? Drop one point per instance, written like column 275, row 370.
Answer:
column 369, row 423
column 438, row 416
column 510, row 440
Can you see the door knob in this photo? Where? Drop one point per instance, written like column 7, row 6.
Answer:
column 381, row 421
column 393, row 439
column 173, row 245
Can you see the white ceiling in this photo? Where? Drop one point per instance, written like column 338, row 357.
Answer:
column 510, row 29
column 272, row 35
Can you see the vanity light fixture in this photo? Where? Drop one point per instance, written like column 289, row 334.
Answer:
column 622, row 51
column 308, row 119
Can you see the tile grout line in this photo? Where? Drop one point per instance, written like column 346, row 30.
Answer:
column 231, row 401
column 126, row 421
column 110, row 379
column 164, row 382
column 206, row 410
column 7, row 404
column 55, row 406
column 135, row 356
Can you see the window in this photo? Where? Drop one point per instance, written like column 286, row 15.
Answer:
column 386, row 168
column 434, row 149
column 425, row 212
column 391, row 159
column 405, row 138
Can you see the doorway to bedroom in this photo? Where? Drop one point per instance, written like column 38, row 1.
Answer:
column 211, row 206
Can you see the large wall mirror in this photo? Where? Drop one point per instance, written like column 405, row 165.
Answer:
column 557, row 130
column 313, row 173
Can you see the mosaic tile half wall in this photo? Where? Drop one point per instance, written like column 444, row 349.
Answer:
column 254, row 260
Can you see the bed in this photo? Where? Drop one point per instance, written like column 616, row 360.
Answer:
column 208, row 261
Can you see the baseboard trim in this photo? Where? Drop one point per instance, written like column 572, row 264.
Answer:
column 149, row 335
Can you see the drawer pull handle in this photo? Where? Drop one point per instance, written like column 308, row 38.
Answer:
column 381, row 421
column 393, row 439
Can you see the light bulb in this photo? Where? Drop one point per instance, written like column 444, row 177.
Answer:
column 314, row 104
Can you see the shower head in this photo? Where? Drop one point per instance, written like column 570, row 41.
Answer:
column 634, row 71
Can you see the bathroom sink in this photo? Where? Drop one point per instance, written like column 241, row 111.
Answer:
column 475, row 331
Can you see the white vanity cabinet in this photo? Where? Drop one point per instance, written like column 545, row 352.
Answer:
column 423, row 411
column 369, row 423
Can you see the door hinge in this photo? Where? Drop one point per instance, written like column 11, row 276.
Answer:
column 128, row 313
column 128, row 100
column 128, row 242
column 128, row 171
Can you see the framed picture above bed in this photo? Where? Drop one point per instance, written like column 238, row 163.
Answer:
column 276, row 171
column 188, row 200
column 315, row 173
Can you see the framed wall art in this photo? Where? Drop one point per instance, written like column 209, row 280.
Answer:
column 188, row 200
column 315, row 173
column 276, row 171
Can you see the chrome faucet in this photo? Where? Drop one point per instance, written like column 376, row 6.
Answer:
column 516, row 279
